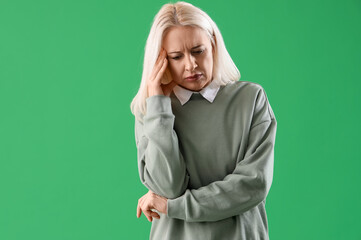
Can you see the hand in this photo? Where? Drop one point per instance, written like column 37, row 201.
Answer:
column 154, row 85
column 151, row 201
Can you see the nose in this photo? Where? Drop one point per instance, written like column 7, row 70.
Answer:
column 190, row 63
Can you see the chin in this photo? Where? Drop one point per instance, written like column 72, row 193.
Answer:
column 192, row 86
column 202, row 85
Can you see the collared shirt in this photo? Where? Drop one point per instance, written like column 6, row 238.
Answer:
column 209, row 92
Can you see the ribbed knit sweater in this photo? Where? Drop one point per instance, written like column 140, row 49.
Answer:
column 213, row 161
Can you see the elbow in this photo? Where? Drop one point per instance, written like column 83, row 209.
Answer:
column 265, row 185
column 177, row 189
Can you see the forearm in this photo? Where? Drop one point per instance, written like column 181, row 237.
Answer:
column 161, row 165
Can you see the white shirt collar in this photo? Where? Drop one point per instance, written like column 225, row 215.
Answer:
column 209, row 92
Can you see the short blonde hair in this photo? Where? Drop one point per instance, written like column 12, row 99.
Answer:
column 182, row 14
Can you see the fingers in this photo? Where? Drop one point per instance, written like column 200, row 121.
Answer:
column 160, row 66
column 150, row 214
column 161, row 71
column 154, row 214
column 139, row 210
column 162, row 55
column 145, row 205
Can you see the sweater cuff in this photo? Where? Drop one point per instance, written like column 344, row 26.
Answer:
column 176, row 208
column 158, row 104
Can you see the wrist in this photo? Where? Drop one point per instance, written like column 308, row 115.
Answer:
column 154, row 91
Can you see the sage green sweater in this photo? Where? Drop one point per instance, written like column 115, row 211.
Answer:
column 213, row 161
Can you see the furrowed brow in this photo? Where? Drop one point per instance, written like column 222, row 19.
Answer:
column 191, row 48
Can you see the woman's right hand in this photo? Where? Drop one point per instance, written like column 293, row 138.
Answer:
column 154, row 85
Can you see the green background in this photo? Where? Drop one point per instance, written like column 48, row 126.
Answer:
column 69, row 70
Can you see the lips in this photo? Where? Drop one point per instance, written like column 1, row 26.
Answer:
column 194, row 76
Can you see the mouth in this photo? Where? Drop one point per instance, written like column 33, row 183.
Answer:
column 193, row 77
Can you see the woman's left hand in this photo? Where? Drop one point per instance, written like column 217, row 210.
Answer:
column 151, row 201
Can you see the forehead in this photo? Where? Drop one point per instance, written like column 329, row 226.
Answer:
column 180, row 37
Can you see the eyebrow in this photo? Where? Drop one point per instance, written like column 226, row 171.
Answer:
column 191, row 48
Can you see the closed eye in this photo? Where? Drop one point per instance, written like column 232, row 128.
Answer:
column 196, row 52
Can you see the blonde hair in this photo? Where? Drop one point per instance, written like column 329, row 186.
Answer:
column 182, row 14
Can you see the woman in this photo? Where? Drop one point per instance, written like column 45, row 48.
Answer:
column 205, row 139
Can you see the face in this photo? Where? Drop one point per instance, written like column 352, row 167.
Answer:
column 189, row 52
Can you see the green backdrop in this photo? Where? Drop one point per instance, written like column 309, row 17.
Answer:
column 69, row 70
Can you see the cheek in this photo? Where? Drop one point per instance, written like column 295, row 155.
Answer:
column 208, row 63
column 175, row 68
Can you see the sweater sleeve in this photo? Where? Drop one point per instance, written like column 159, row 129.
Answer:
column 246, row 186
column 160, row 163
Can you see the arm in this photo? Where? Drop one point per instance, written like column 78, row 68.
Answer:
column 161, row 165
column 245, row 187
